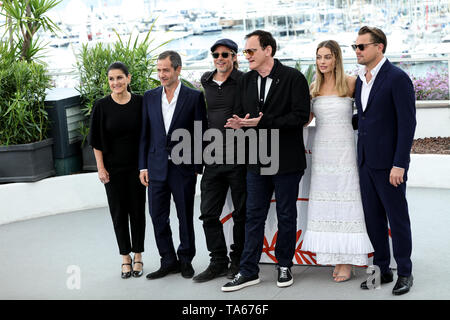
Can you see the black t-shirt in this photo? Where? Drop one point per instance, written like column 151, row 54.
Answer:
column 115, row 130
column 220, row 99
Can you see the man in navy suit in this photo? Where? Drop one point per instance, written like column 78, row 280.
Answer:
column 167, row 108
column 385, row 101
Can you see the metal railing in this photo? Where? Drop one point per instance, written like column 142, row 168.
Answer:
column 417, row 67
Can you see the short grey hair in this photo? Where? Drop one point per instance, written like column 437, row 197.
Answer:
column 175, row 59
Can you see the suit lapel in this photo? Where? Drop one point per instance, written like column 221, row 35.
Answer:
column 358, row 93
column 179, row 106
column 157, row 102
column 272, row 89
column 378, row 82
column 254, row 88
column 275, row 81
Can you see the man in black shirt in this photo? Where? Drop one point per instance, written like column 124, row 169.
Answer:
column 220, row 88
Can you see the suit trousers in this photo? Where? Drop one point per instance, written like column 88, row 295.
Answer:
column 126, row 200
column 216, row 181
column 259, row 194
column 383, row 203
column 182, row 188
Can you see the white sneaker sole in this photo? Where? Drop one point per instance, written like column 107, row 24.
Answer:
column 246, row 284
column 285, row 284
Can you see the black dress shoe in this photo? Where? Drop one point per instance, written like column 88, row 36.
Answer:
column 126, row 275
column 402, row 285
column 384, row 278
column 213, row 271
column 186, row 270
column 138, row 273
column 164, row 271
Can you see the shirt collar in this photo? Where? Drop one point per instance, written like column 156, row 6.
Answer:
column 233, row 75
column 175, row 94
column 362, row 72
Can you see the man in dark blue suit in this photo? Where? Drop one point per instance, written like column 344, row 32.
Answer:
column 385, row 101
column 166, row 109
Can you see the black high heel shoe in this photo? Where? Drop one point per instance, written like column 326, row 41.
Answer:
column 126, row 275
column 138, row 273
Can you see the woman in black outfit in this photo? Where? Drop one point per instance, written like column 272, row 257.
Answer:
column 114, row 136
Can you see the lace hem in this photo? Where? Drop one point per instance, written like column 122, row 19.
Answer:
column 338, row 243
column 334, row 258
column 337, row 226
column 334, row 196
column 328, row 169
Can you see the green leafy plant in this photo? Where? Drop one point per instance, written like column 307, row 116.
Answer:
column 309, row 73
column 23, row 81
column 22, row 95
column 24, row 19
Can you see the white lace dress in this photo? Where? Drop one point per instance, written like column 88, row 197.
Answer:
column 336, row 230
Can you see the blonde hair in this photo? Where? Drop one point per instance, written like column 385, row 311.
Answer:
column 338, row 72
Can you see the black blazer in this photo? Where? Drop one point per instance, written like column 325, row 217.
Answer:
column 286, row 108
column 155, row 144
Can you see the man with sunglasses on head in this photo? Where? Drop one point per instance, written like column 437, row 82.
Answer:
column 220, row 91
column 276, row 98
column 386, row 121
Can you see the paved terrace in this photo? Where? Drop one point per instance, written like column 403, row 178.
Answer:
column 36, row 256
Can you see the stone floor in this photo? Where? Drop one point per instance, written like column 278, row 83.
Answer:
column 44, row 258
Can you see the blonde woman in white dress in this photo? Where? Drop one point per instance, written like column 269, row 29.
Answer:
column 336, row 230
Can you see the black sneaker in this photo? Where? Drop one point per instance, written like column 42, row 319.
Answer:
column 233, row 270
column 240, row 282
column 285, row 278
column 213, row 271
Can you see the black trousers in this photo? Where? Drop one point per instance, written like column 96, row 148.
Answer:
column 383, row 203
column 260, row 190
column 214, row 188
column 182, row 188
column 126, row 200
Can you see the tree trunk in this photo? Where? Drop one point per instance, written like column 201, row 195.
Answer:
column 11, row 34
column 27, row 36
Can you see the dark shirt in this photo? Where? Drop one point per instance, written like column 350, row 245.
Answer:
column 220, row 100
column 115, row 130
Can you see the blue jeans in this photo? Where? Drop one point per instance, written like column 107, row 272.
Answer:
column 259, row 193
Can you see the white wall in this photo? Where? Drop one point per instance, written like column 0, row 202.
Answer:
column 433, row 119
column 21, row 201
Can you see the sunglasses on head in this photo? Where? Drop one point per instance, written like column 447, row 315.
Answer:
column 362, row 46
column 218, row 54
column 249, row 52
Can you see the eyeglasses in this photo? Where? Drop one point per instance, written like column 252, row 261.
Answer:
column 362, row 46
column 225, row 55
column 249, row 52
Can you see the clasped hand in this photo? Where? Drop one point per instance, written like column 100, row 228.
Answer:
column 236, row 122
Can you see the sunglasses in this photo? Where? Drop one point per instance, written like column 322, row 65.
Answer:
column 249, row 52
column 362, row 46
column 225, row 55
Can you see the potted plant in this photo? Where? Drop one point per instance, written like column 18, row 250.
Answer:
column 92, row 63
column 25, row 148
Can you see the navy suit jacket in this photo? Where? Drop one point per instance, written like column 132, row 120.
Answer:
column 155, row 144
column 386, row 127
